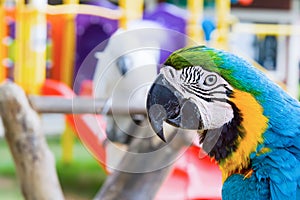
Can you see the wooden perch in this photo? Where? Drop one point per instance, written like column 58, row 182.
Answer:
column 35, row 165
column 135, row 186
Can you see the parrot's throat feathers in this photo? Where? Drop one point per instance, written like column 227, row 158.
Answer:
column 252, row 126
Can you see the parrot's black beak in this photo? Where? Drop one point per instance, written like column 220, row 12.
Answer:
column 165, row 103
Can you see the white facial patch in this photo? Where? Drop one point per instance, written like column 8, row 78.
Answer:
column 215, row 114
column 208, row 90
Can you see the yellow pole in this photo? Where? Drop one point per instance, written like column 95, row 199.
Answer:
column 69, row 34
column 132, row 10
column 194, row 31
column 67, row 143
column 67, row 73
column 31, row 35
column 223, row 13
column 2, row 46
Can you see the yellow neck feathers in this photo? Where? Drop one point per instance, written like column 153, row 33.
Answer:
column 254, row 125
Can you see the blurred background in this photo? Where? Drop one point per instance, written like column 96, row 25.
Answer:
column 44, row 45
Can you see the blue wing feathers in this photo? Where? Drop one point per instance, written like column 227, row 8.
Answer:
column 237, row 187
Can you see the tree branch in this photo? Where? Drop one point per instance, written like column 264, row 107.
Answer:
column 35, row 164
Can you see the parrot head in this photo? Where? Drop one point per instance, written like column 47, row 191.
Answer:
column 216, row 93
column 248, row 124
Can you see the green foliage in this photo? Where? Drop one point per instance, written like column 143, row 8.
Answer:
column 7, row 167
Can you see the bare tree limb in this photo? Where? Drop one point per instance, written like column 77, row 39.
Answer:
column 35, row 164
column 135, row 186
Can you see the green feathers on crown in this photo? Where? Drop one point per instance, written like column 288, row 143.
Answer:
column 194, row 56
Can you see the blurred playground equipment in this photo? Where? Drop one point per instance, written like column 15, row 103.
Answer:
column 46, row 59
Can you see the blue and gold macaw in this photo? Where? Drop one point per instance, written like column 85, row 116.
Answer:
column 248, row 124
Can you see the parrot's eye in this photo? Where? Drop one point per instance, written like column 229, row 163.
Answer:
column 210, row 80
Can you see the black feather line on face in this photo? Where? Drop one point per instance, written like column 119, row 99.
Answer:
column 227, row 142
